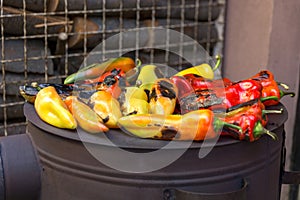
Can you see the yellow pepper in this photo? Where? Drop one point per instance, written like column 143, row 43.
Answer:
column 163, row 97
column 134, row 100
column 204, row 70
column 51, row 109
column 135, row 106
column 107, row 107
column 147, row 76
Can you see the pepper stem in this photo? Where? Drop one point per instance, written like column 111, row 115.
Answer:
column 218, row 63
column 282, row 93
column 285, row 86
column 36, row 85
column 218, row 124
column 271, row 134
column 259, row 130
column 138, row 62
column 264, row 112
column 275, row 98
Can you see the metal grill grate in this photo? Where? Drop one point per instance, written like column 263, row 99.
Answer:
column 44, row 41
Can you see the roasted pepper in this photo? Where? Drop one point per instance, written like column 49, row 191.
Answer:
column 163, row 95
column 203, row 70
column 183, row 85
column 29, row 92
column 112, row 81
column 251, row 116
column 147, row 76
column 51, row 109
column 86, row 118
column 135, row 106
column 133, row 100
column 270, row 87
column 254, row 106
column 201, row 83
column 252, row 128
column 107, row 107
column 222, row 98
column 197, row 125
column 97, row 69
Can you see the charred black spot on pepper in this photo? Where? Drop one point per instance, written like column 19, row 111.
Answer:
column 105, row 119
column 109, row 80
column 168, row 133
column 115, row 71
column 264, row 74
column 167, row 89
column 133, row 112
column 153, row 94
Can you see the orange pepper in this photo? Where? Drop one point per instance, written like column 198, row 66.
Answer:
column 87, row 119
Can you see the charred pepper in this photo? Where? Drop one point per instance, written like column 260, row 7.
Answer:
column 251, row 117
column 107, row 107
column 196, row 125
column 163, row 96
column 97, row 69
column 270, row 87
column 86, row 118
column 222, row 98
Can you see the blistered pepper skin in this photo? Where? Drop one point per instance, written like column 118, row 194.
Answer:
column 51, row 109
column 195, row 125
column 270, row 87
column 87, row 119
column 97, row 69
column 163, row 97
column 107, row 107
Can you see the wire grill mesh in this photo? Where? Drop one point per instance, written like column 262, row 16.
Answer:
column 46, row 40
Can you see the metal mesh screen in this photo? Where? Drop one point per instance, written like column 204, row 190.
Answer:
column 47, row 40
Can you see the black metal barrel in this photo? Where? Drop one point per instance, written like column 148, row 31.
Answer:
column 232, row 170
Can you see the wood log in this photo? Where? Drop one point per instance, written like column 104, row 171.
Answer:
column 14, row 57
column 146, row 8
column 206, row 10
column 13, row 23
column 93, row 30
column 128, row 9
column 33, row 5
column 14, row 80
column 12, row 112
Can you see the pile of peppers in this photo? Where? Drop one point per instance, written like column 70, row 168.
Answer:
column 190, row 105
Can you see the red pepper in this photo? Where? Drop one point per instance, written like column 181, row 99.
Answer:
column 110, row 81
column 242, row 91
column 184, row 86
column 200, row 83
column 222, row 98
column 270, row 87
column 252, row 118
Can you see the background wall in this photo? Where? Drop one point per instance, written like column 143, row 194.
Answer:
column 265, row 35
